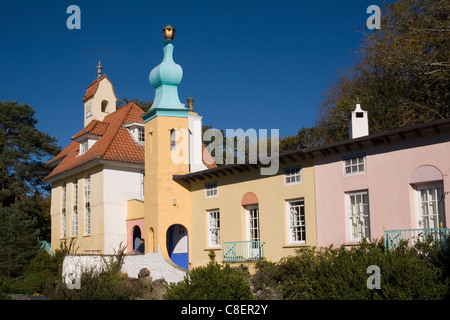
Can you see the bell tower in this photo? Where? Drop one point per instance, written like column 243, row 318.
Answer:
column 100, row 98
column 167, row 204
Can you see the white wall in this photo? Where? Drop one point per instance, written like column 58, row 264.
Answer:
column 119, row 187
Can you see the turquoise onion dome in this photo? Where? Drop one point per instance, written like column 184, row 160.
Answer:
column 165, row 78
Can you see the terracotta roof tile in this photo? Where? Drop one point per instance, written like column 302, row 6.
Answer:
column 115, row 143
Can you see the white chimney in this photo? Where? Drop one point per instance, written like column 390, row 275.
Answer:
column 359, row 123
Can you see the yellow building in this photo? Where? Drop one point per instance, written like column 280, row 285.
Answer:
column 130, row 175
column 244, row 216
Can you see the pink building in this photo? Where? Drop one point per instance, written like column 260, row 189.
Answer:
column 387, row 181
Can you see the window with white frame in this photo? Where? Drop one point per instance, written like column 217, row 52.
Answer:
column 292, row 175
column 75, row 209
column 141, row 135
column 87, row 213
column 296, row 221
column 63, row 212
column 354, row 165
column 211, row 190
column 253, row 223
column 358, row 215
column 432, row 206
column 214, row 228
column 84, row 146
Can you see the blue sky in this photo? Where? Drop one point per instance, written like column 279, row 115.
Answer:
column 247, row 63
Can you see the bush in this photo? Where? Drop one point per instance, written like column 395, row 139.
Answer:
column 211, row 282
column 340, row 273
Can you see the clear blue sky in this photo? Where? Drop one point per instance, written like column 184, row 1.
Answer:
column 247, row 63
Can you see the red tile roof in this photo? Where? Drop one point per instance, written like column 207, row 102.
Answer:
column 92, row 89
column 115, row 143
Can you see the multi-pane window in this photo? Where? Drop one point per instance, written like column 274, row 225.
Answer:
column 211, row 189
column 432, row 207
column 214, row 228
column 253, row 225
column 75, row 209
column 63, row 212
column 358, row 215
column 354, row 165
column 87, row 213
column 292, row 175
column 141, row 135
column 296, row 216
column 84, row 146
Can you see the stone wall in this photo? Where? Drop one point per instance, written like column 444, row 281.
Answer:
column 75, row 265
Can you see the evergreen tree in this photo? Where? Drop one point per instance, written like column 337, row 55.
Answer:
column 401, row 75
column 19, row 240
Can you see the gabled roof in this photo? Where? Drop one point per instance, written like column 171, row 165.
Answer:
column 92, row 89
column 115, row 142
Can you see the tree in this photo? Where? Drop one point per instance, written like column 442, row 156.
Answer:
column 144, row 105
column 18, row 235
column 400, row 75
column 23, row 150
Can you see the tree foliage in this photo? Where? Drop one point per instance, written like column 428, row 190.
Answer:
column 401, row 75
column 211, row 282
column 23, row 150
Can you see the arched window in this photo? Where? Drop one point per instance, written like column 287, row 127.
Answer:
column 104, row 105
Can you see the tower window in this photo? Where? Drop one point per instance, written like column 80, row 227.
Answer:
column 172, row 139
column 104, row 105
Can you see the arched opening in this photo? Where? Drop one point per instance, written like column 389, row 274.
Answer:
column 136, row 237
column 151, row 240
column 178, row 245
column 104, row 105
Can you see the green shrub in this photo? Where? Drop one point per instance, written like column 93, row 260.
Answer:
column 341, row 273
column 211, row 282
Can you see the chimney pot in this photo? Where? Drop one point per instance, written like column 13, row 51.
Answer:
column 190, row 103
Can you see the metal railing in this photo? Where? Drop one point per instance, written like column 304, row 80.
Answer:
column 392, row 238
column 242, row 251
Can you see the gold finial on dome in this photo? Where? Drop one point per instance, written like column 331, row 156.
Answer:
column 168, row 32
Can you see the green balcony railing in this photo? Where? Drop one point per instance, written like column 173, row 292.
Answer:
column 242, row 251
column 392, row 238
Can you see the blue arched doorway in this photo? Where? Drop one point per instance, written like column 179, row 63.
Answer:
column 178, row 245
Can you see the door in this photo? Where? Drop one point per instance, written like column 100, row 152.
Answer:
column 253, row 232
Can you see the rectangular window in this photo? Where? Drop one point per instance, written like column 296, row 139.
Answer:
column 358, row 215
column 211, row 190
column 292, row 175
column 75, row 209
column 296, row 221
column 63, row 213
column 84, row 146
column 87, row 196
column 354, row 165
column 432, row 206
column 214, row 228
column 141, row 135
column 253, row 223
